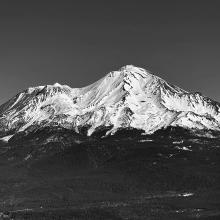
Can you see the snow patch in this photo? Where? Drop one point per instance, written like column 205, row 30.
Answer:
column 6, row 138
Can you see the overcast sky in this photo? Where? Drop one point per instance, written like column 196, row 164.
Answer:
column 78, row 42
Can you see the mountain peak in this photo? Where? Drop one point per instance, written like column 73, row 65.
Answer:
column 129, row 67
column 129, row 70
column 57, row 84
column 131, row 74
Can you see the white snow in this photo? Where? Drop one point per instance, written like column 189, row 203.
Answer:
column 6, row 138
column 187, row 194
column 129, row 97
column 184, row 148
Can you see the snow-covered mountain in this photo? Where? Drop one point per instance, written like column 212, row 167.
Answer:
column 128, row 98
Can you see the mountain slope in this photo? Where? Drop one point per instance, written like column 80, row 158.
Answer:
column 129, row 98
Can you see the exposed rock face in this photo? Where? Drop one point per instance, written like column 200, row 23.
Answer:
column 129, row 98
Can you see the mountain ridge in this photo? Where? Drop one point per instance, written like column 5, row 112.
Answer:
column 131, row 97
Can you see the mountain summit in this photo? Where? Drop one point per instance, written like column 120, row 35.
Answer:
column 128, row 98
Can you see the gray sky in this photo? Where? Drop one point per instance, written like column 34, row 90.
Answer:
column 78, row 42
